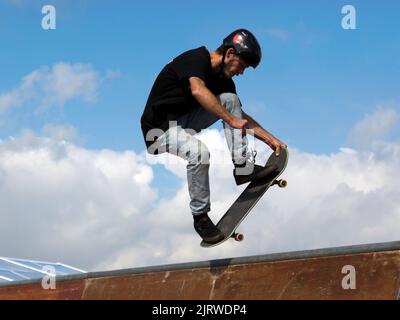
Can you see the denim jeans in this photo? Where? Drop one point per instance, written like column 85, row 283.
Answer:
column 180, row 140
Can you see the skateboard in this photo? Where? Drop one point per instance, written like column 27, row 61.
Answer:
column 248, row 198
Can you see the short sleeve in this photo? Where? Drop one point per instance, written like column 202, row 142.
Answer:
column 195, row 63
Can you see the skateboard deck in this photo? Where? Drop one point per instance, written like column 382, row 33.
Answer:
column 248, row 198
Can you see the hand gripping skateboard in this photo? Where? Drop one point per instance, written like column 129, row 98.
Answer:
column 248, row 198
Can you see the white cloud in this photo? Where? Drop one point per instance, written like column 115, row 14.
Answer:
column 9, row 100
column 61, row 132
column 53, row 87
column 67, row 81
column 62, row 202
column 374, row 127
column 97, row 209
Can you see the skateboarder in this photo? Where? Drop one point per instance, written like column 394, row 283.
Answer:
column 191, row 93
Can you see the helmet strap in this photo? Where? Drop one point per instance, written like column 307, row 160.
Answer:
column 221, row 71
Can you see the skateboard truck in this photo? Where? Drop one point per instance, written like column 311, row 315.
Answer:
column 237, row 236
column 281, row 183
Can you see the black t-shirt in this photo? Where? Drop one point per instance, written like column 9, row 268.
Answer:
column 170, row 96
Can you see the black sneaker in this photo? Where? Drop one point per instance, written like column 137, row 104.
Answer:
column 206, row 229
column 242, row 174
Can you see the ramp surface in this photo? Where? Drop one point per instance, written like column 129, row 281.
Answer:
column 355, row 272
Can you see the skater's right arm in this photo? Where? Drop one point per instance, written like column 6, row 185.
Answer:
column 208, row 101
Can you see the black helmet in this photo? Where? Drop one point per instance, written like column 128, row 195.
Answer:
column 245, row 45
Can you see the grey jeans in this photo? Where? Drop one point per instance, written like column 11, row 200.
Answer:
column 179, row 140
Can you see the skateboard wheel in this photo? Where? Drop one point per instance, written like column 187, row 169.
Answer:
column 282, row 183
column 238, row 236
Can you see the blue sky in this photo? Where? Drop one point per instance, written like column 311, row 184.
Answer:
column 315, row 81
column 319, row 88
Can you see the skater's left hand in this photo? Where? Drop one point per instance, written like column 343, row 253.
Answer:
column 277, row 145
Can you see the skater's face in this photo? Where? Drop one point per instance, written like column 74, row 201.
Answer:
column 234, row 65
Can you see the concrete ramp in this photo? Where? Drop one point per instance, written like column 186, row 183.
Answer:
column 356, row 272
